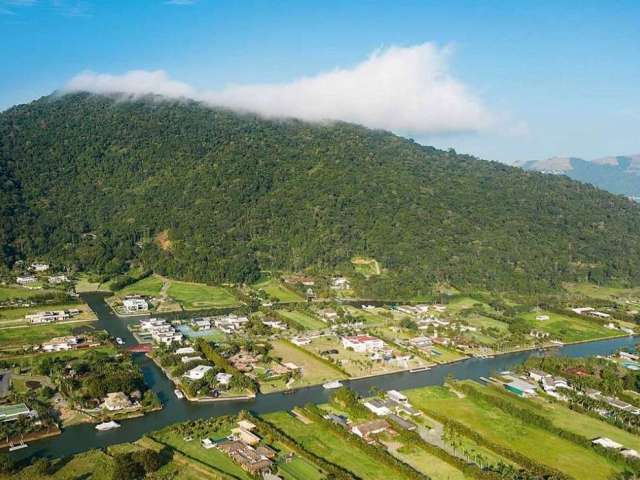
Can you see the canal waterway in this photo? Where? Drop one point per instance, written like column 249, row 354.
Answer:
column 84, row 437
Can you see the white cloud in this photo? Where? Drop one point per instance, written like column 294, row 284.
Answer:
column 406, row 90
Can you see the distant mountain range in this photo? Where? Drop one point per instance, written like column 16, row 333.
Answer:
column 619, row 174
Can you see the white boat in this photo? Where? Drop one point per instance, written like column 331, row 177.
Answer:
column 178, row 393
column 119, row 341
column 13, row 448
column 332, row 385
column 419, row 369
column 104, row 426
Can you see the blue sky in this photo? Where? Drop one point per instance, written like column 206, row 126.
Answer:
column 553, row 77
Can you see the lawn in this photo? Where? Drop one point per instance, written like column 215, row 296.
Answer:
column 568, row 419
column 36, row 334
column 332, row 447
column 275, row 289
column 300, row 469
column 15, row 316
column 568, row 329
column 428, row 464
column 149, row 286
column 213, row 458
column 94, row 465
column 619, row 295
column 305, row 320
column 371, row 317
column 314, row 371
column 8, row 293
column 506, row 430
column 198, row 296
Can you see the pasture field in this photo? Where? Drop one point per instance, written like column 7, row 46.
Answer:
column 198, row 296
column 36, row 334
column 366, row 266
column 276, row 290
column 508, row 431
column 329, row 445
column 314, row 371
column 569, row 329
column 305, row 320
column 149, row 286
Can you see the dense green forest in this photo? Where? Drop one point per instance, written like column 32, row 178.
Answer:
column 93, row 182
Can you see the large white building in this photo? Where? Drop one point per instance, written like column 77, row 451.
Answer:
column 48, row 317
column 39, row 267
column 230, row 323
column 198, row 372
column 60, row 344
column 362, row 343
column 132, row 305
column 160, row 331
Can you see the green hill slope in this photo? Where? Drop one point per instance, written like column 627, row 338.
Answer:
column 227, row 195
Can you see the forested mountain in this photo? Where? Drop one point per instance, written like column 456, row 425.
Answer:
column 211, row 195
column 619, row 174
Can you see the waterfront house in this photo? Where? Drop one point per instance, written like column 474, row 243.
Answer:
column 362, row 343
column 377, row 406
column 116, row 401
column 197, row 373
column 9, row 413
column 135, row 304
column 372, row 427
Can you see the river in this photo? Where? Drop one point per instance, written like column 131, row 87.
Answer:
column 85, row 437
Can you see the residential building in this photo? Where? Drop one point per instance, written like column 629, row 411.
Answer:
column 26, row 279
column 60, row 344
column 607, row 443
column 187, row 359
column 135, row 304
column 401, row 422
column 250, row 460
column 39, row 267
column 521, row 388
column 362, row 343
column 160, row 330
column 245, row 436
column 396, row 396
column 185, row 351
column 223, row 378
column 538, row 375
column 48, row 317
column 300, row 341
column 198, row 372
column 57, row 279
column 230, row 323
column 372, row 427
column 377, row 406
column 116, row 401
column 328, row 314
column 275, row 324
column 340, row 283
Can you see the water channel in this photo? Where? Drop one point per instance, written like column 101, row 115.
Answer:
column 84, row 437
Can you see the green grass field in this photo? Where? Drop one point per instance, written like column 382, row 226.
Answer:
column 604, row 293
column 198, row 296
column 314, row 371
column 504, row 429
column 211, row 457
column 275, row 289
column 149, row 286
column 7, row 293
column 11, row 316
column 568, row 419
column 331, row 446
column 568, row 329
column 94, row 465
column 428, row 464
column 303, row 319
column 35, row 334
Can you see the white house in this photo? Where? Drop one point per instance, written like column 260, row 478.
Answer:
column 223, row 378
column 60, row 344
column 116, row 401
column 362, row 343
column 607, row 443
column 57, row 279
column 47, row 317
column 185, row 351
column 198, row 372
column 26, row 280
column 396, row 396
column 39, row 267
column 377, row 406
column 538, row 375
column 340, row 283
column 187, row 359
column 582, row 310
column 300, row 341
column 135, row 305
